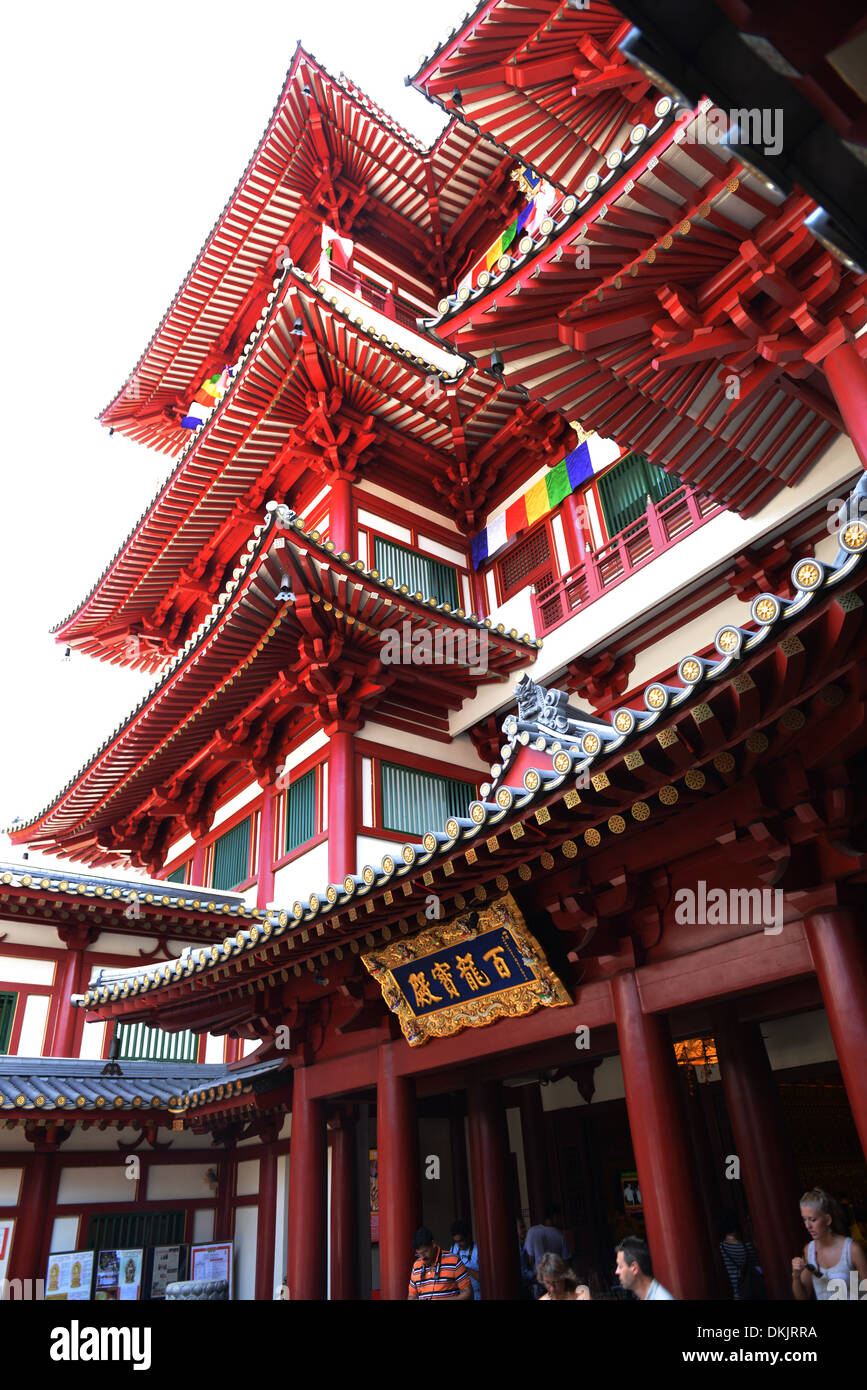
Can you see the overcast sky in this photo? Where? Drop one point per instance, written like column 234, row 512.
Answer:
column 125, row 129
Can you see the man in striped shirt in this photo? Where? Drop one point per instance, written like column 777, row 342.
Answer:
column 437, row 1273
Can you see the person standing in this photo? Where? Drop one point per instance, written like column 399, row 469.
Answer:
column 437, row 1273
column 741, row 1259
column 468, row 1254
column 635, row 1272
column 830, row 1256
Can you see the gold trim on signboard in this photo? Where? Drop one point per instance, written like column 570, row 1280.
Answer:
column 545, row 990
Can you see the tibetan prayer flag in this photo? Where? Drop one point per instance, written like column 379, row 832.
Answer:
column 602, row 451
column 516, row 517
column 537, row 501
column 196, row 415
column 479, row 548
column 579, row 466
column 497, row 534
column 558, row 484
column 337, row 249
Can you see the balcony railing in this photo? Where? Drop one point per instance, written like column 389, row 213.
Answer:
column 383, row 301
column 662, row 526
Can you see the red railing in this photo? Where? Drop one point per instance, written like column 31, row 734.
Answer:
column 662, row 526
column 383, row 301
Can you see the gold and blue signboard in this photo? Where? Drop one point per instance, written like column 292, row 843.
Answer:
column 479, row 967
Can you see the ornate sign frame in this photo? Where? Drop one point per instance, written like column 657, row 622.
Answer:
column 542, row 990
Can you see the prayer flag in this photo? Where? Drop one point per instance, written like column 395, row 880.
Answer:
column 558, row 484
column 516, row 517
column 537, row 502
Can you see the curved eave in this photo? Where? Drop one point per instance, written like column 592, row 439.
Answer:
column 331, row 911
column 245, row 433
column 358, row 598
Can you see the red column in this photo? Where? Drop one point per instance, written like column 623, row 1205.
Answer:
column 343, row 1210
column 307, row 1179
column 839, row 951
column 266, row 1223
column 265, row 864
column 76, row 940
column 767, row 1165
column 340, row 528
column 535, row 1149
column 576, row 544
column 493, row 1202
column 225, row 1209
column 847, row 377
column 342, row 809
column 663, row 1158
column 30, row 1218
column 197, row 868
column 479, row 588
column 397, row 1155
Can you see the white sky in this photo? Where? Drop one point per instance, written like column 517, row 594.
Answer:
column 124, row 130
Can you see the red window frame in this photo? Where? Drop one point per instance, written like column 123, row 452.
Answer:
column 549, row 565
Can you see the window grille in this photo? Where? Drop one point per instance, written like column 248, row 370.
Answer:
column 300, row 811
column 415, row 802
column 625, row 488
column 420, row 573
column 7, row 1018
column 141, row 1042
column 231, row 856
column 132, row 1230
column 531, row 562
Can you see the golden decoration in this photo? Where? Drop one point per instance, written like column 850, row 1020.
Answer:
column 547, row 861
column 690, row 670
column 728, row 640
column 592, row 838
column 793, row 719
column 562, row 762
column 616, row 824
column 524, row 873
column 666, row 737
column 855, row 536
column 543, row 815
column 724, row 762
column 632, row 761
column 600, row 781
column 571, row 800
column 766, row 609
column 502, row 883
column 640, row 810
column 807, row 575
column 518, row 831
column 493, row 844
column 502, row 917
column 656, row 697
column 668, row 795
column 569, row 848
column 695, row 779
column 471, row 856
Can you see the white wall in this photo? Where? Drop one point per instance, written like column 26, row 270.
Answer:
column 281, row 1238
column 203, row 1226
column 305, row 875
column 92, row 1040
column 167, row 1181
column 18, row 970
column 374, row 490
column 237, row 803
column 31, row 1043
column 305, row 750
column 459, row 753
column 10, row 1186
column 108, row 1184
column 64, row 1234
column 247, row 1184
column 246, row 1228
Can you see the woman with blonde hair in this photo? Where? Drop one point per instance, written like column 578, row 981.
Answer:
column 559, row 1280
column 830, row 1255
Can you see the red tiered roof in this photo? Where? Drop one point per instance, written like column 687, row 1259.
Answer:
column 545, row 81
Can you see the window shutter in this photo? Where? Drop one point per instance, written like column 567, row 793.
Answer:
column 301, row 811
column 7, row 1016
column 141, row 1042
column 530, row 562
column 419, row 573
column 415, row 802
column 232, row 856
column 134, row 1230
column 624, row 490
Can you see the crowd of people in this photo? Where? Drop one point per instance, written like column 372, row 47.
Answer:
column 831, row 1266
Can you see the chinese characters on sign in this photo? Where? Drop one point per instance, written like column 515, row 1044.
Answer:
column 466, row 973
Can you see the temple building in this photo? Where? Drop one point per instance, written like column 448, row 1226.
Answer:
column 499, row 785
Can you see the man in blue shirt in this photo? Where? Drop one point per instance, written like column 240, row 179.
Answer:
column 468, row 1254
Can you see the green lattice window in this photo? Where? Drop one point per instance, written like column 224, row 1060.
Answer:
column 300, row 811
column 419, row 573
column 141, row 1042
column 415, row 802
column 231, row 856
column 131, row 1230
column 178, row 875
column 625, row 488
column 7, row 1018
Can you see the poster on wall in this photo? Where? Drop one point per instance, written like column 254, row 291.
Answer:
column 69, row 1276
column 118, row 1275
column 212, row 1262
column 631, row 1192
column 165, row 1264
column 374, row 1196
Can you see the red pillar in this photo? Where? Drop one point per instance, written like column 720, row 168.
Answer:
column 307, row 1186
column 342, row 1210
column 847, row 377
column 663, row 1157
column 767, row 1166
column 493, row 1203
column 197, row 868
column 397, row 1155
column 342, row 809
column 340, row 528
column 266, row 1223
column 76, row 940
column 225, row 1209
column 30, row 1218
column 265, row 865
column 535, row 1150
column 479, row 589
column 839, row 950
